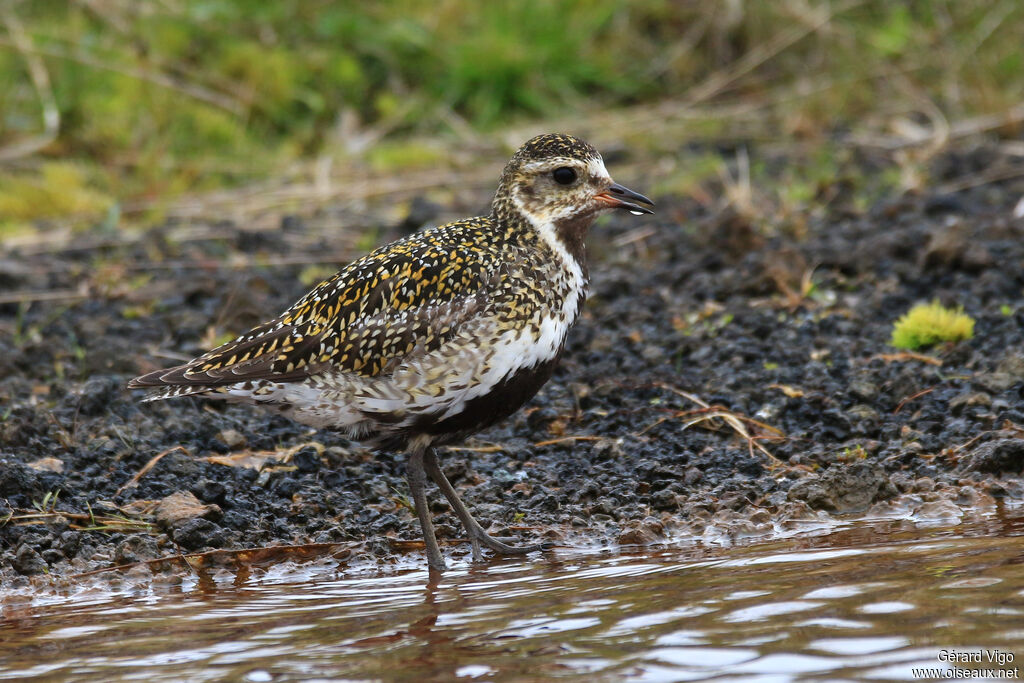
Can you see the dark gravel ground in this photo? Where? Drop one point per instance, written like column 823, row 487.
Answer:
column 702, row 303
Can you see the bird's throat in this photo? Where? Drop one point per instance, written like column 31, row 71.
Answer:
column 571, row 233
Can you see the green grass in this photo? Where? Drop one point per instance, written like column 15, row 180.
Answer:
column 158, row 99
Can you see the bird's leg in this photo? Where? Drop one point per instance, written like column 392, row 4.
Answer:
column 417, row 483
column 476, row 533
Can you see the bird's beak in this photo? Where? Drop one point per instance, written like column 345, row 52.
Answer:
column 619, row 197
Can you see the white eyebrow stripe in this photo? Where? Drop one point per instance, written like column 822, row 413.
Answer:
column 597, row 169
column 551, row 163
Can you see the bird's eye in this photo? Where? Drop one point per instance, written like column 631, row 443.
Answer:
column 564, row 175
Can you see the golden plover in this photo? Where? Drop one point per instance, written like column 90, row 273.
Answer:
column 431, row 338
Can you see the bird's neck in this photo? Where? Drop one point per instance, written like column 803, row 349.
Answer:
column 562, row 235
column 570, row 234
column 560, row 241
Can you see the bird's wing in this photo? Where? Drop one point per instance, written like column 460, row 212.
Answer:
column 406, row 298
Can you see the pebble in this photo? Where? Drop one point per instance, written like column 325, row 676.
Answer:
column 182, row 506
column 232, row 438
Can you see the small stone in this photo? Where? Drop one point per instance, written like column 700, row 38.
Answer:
column 995, row 382
column 211, row 491
column 1001, row 455
column 861, row 411
column 232, row 438
column 654, row 526
column 939, row 510
column 97, row 394
column 182, row 506
column 760, row 517
column 652, row 353
column 18, row 480
column 199, row 533
column 14, row 272
column 136, row 548
column 664, row 500
column 307, row 460
column 924, row 484
column 864, row 390
column 28, row 561
column 70, row 542
column 844, row 488
column 969, row 398
column 1012, row 365
column 636, row 536
column 52, row 556
column 179, row 466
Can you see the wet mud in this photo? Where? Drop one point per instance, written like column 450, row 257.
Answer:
column 709, row 348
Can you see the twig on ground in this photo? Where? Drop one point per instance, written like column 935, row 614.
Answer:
column 148, row 466
column 907, row 399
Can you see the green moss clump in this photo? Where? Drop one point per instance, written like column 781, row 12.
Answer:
column 928, row 324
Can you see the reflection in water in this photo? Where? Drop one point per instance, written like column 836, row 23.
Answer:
column 871, row 601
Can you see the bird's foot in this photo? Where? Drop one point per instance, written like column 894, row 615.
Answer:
column 478, row 537
column 476, row 533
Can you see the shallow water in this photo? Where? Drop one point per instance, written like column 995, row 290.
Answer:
column 872, row 600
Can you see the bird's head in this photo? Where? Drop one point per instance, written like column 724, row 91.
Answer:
column 560, row 181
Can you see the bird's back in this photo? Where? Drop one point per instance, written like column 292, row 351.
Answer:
column 406, row 340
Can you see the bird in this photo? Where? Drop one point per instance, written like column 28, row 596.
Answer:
column 436, row 336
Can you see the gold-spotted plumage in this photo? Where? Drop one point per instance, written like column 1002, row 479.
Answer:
column 435, row 336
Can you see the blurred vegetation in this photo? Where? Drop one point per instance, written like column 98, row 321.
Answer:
column 114, row 101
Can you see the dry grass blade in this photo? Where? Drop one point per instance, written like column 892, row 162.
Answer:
column 906, row 355
column 496, row 448
column 565, row 439
column 791, row 392
column 80, row 521
column 1007, row 426
column 977, row 180
column 111, row 523
column 55, row 295
column 738, row 423
column 1013, row 427
column 148, row 466
column 256, row 460
column 908, row 399
column 35, row 517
